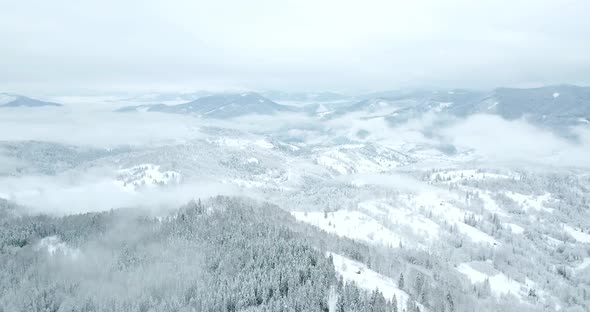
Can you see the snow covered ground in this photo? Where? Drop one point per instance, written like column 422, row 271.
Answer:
column 453, row 176
column 370, row 280
column 439, row 206
column 476, row 235
column 352, row 224
column 577, row 234
column 500, row 284
column 54, row 246
column 515, row 228
column 585, row 264
column 356, row 159
column 146, row 175
column 489, row 203
column 410, row 220
column 531, row 201
column 336, row 161
column 241, row 143
column 269, row 179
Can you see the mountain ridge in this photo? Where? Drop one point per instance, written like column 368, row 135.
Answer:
column 15, row 100
column 226, row 105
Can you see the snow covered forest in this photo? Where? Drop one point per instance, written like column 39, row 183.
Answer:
column 224, row 254
column 338, row 210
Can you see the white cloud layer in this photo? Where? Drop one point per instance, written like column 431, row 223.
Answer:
column 502, row 141
column 95, row 128
column 496, row 141
column 60, row 46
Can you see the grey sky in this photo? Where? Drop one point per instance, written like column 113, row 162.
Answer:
column 73, row 46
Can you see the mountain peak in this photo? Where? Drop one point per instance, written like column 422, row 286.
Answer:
column 223, row 105
column 15, row 100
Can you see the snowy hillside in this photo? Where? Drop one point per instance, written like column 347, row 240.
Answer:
column 351, row 224
column 353, row 271
column 146, row 176
column 360, row 158
column 405, row 190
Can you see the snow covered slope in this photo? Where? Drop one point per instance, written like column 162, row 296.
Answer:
column 577, row 234
column 440, row 206
column 146, row 176
column 483, row 272
column 352, row 224
column 405, row 219
column 360, row 158
column 353, row 271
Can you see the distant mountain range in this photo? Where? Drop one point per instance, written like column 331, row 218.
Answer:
column 554, row 106
column 225, row 105
column 170, row 97
column 326, row 96
column 13, row 100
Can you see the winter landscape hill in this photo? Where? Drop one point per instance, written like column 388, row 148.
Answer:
column 449, row 200
column 295, row 156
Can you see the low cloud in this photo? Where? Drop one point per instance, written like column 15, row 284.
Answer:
column 503, row 141
column 95, row 128
column 83, row 192
column 496, row 141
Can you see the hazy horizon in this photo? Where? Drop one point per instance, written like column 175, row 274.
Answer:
column 109, row 46
column 105, row 94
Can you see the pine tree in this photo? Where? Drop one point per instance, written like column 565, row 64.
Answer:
column 450, row 302
column 418, row 284
column 410, row 305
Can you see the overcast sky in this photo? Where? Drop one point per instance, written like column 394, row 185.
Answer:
column 64, row 46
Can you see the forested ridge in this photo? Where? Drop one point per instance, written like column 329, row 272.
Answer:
column 229, row 256
column 224, row 254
